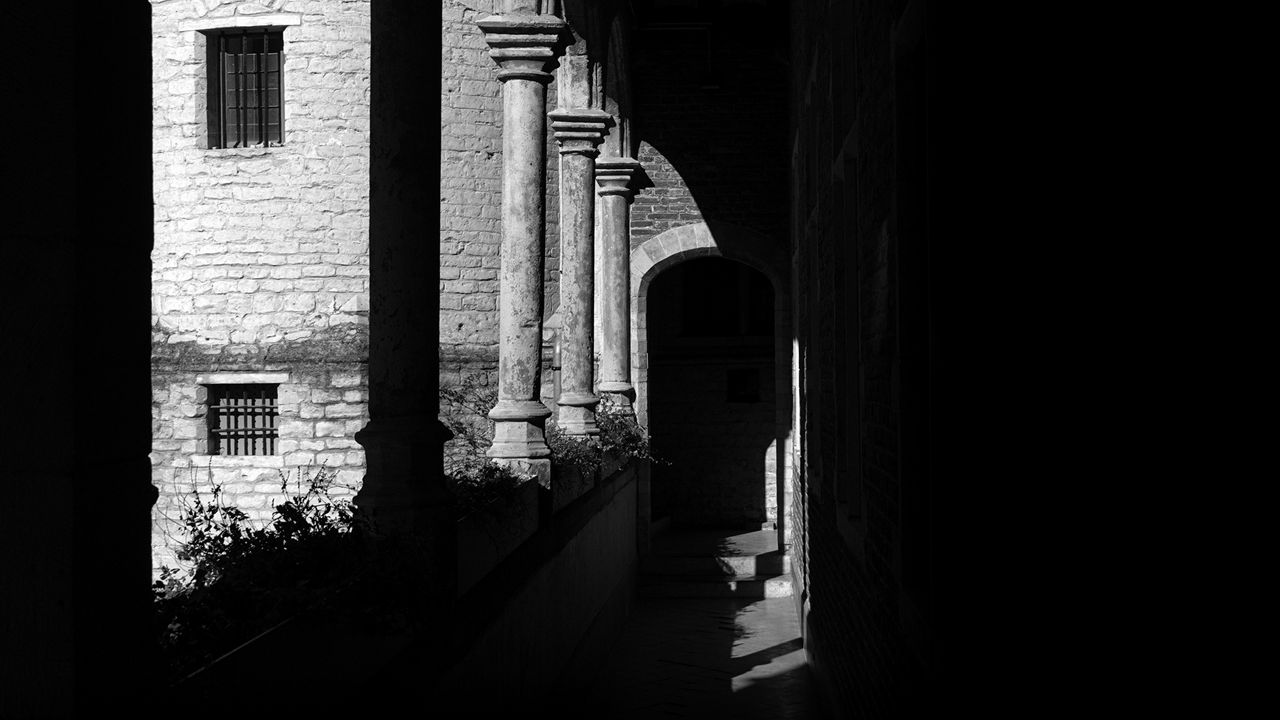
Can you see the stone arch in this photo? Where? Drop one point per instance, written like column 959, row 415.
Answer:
column 758, row 251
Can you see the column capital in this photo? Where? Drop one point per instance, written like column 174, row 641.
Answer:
column 580, row 130
column 523, row 44
column 614, row 175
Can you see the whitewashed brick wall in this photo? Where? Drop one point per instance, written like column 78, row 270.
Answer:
column 261, row 254
column 471, row 196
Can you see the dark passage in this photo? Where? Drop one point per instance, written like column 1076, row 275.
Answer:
column 712, row 394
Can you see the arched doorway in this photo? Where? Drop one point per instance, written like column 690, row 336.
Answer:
column 711, row 395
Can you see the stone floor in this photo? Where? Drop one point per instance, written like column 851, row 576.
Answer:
column 707, row 657
column 717, row 542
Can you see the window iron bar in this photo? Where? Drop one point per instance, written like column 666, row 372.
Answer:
column 261, row 81
column 242, row 420
column 244, row 112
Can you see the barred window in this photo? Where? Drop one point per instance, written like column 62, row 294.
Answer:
column 244, row 107
column 242, row 419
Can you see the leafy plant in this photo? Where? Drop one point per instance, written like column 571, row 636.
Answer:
column 475, row 480
column 621, row 435
column 477, row 483
column 242, row 578
column 583, row 453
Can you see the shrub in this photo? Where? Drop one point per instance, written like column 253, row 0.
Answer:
column 583, row 453
column 465, row 411
column 478, row 482
column 620, row 436
column 245, row 579
column 474, row 479
column 623, row 436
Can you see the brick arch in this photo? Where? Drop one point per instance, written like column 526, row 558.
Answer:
column 706, row 239
column 758, row 251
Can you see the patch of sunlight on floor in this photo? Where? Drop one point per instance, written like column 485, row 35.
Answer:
column 775, row 668
column 768, row 640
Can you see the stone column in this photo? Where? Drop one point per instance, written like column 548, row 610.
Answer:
column 578, row 132
column 524, row 44
column 613, row 177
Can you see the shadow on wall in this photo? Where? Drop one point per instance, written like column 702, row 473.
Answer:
column 711, row 117
column 711, row 390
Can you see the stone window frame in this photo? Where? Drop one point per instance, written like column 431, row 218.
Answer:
column 200, row 31
column 203, row 381
column 252, row 118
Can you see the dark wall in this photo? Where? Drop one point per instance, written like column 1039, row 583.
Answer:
column 710, row 98
column 862, row 85
column 77, row 240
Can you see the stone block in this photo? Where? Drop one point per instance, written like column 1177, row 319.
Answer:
column 328, row 429
column 331, row 459
column 343, row 410
column 300, row 458
column 289, row 427
column 346, row 380
column 351, row 478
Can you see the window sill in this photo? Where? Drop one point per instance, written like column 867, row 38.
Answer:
column 238, row 461
column 242, row 152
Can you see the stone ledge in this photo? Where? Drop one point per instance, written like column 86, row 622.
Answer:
column 241, row 21
column 244, row 152
column 238, row 461
column 241, row 378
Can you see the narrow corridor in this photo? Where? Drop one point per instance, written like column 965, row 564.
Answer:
column 735, row 654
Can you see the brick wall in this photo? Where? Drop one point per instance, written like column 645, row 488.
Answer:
column 320, row 410
column 470, row 193
column 711, row 120
column 471, row 197
column 867, row 633
column 260, row 261
column 721, row 473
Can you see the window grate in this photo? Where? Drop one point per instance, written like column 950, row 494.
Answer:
column 244, row 88
column 242, row 419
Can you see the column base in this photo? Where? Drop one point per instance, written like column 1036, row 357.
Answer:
column 537, row 468
column 578, row 419
column 404, row 489
column 617, row 398
column 519, row 430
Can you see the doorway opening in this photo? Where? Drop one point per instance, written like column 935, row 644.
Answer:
column 711, row 392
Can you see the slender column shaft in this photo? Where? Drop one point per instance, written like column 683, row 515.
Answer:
column 524, row 45
column 613, row 176
column 578, row 132
column 523, row 214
